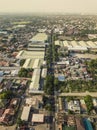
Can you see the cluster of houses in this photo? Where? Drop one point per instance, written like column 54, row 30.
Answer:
column 77, row 106
column 14, row 85
column 70, row 122
column 8, row 111
column 30, row 112
column 72, row 68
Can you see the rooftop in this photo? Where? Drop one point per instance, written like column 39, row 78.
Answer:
column 30, row 54
column 40, row 37
column 38, row 118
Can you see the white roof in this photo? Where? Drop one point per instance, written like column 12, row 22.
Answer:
column 14, row 72
column 38, row 45
column 32, row 101
column 36, row 49
column 35, row 80
column 74, row 43
column 63, row 62
column 77, row 48
column 36, row 64
column 57, row 42
column 38, row 118
column 94, row 102
column 26, row 64
column 44, row 72
column 67, row 44
column 33, row 63
column 39, row 37
column 82, row 101
column 25, row 113
column 92, row 44
column 30, row 55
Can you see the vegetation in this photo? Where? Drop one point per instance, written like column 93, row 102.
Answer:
column 48, row 103
column 6, row 95
column 92, row 68
column 89, row 103
column 49, row 85
column 20, row 122
column 49, row 55
column 22, row 62
column 25, row 72
column 76, row 86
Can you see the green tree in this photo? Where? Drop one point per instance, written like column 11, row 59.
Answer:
column 22, row 62
column 89, row 103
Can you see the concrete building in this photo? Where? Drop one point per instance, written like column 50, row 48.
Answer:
column 25, row 113
column 37, row 118
column 44, row 73
column 74, row 106
column 39, row 37
column 30, row 55
column 35, row 84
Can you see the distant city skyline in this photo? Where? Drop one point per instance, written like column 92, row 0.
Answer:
column 65, row 6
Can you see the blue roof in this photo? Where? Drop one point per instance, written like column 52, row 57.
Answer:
column 61, row 78
column 87, row 124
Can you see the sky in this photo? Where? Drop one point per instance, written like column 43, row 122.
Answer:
column 66, row 6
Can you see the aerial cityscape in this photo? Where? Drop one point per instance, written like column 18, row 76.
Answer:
column 48, row 65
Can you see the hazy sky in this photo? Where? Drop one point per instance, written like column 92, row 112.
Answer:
column 71, row 6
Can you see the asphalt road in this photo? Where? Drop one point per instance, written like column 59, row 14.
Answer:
column 80, row 94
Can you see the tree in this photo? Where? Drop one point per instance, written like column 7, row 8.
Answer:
column 20, row 122
column 89, row 103
column 25, row 72
column 22, row 62
column 49, row 85
column 6, row 95
column 56, row 83
column 48, row 107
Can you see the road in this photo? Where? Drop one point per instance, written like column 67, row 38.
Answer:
column 10, row 68
column 93, row 94
column 14, row 77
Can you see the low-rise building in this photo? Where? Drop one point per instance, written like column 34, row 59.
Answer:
column 74, row 106
column 25, row 113
column 38, row 118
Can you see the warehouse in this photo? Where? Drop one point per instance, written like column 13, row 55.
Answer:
column 36, row 64
column 25, row 113
column 57, row 43
column 74, row 44
column 30, row 55
column 40, row 37
column 26, row 64
column 77, row 48
column 36, row 46
column 33, row 63
column 34, row 86
column 91, row 44
column 67, row 44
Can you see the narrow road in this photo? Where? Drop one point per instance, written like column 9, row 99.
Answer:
column 13, row 77
column 93, row 94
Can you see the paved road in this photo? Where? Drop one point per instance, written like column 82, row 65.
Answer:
column 93, row 94
column 12, row 77
column 9, row 68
